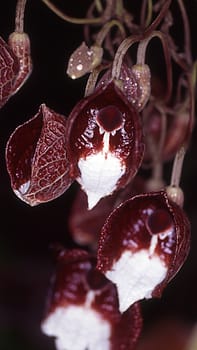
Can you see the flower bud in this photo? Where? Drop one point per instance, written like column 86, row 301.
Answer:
column 143, row 77
column 127, row 83
column 134, row 82
column 84, row 60
column 20, row 44
column 143, row 244
column 36, row 158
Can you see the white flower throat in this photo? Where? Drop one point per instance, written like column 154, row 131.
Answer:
column 100, row 172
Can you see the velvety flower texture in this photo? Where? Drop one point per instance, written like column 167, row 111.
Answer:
column 143, row 244
column 104, row 142
column 82, row 310
column 36, row 158
column 100, row 145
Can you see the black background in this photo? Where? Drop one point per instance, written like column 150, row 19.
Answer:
column 26, row 233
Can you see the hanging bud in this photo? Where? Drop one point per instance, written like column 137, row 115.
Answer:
column 82, row 312
column 84, row 60
column 134, row 82
column 9, row 69
column 20, row 44
column 143, row 77
column 104, row 142
column 143, row 244
column 36, row 158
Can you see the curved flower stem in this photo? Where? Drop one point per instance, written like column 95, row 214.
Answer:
column 121, row 52
column 59, row 13
column 104, row 31
column 158, row 19
column 141, row 53
column 179, row 158
column 98, row 6
column 119, row 9
column 149, row 5
column 177, row 167
column 19, row 18
column 150, row 12
column 128, row 42
column 192, row 80
column 90, row 85
column 186, row 32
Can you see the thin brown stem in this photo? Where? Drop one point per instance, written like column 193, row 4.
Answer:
column 159, row 18
column 91, row 83
column 121, row 52
column 19, row 18
column 106, row 28
column 126, row 44
column 186, row 32
column 59, row 13
column 119, row 8
column 141, row 53
column 98, row 6
column 177, row 167
column 145, row 19
column 192, row 79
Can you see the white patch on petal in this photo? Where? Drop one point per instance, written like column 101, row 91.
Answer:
column 78, row 328
column 24, row 187
column 22, row 190
column 136, row 276
column 99, row 174
column 79, row 66
column 153, row 244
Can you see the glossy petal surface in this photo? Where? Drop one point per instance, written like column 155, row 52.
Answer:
column 36, row 158
column 83, row 305
column 151, row 231
column 104, row 132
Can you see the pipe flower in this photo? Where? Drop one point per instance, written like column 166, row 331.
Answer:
column 82, row 310
column 104, row 142
column 37, row 160
column 143, row 244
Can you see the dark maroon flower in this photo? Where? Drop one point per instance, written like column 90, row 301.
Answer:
column 82, row 310
column 104, row 142
column 9, row 68
column 36, row 158
column 143, row 244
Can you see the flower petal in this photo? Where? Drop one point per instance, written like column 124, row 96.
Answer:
column 37, row 160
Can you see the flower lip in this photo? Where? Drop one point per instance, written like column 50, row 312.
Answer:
column 159, row 221
column 109, row 118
